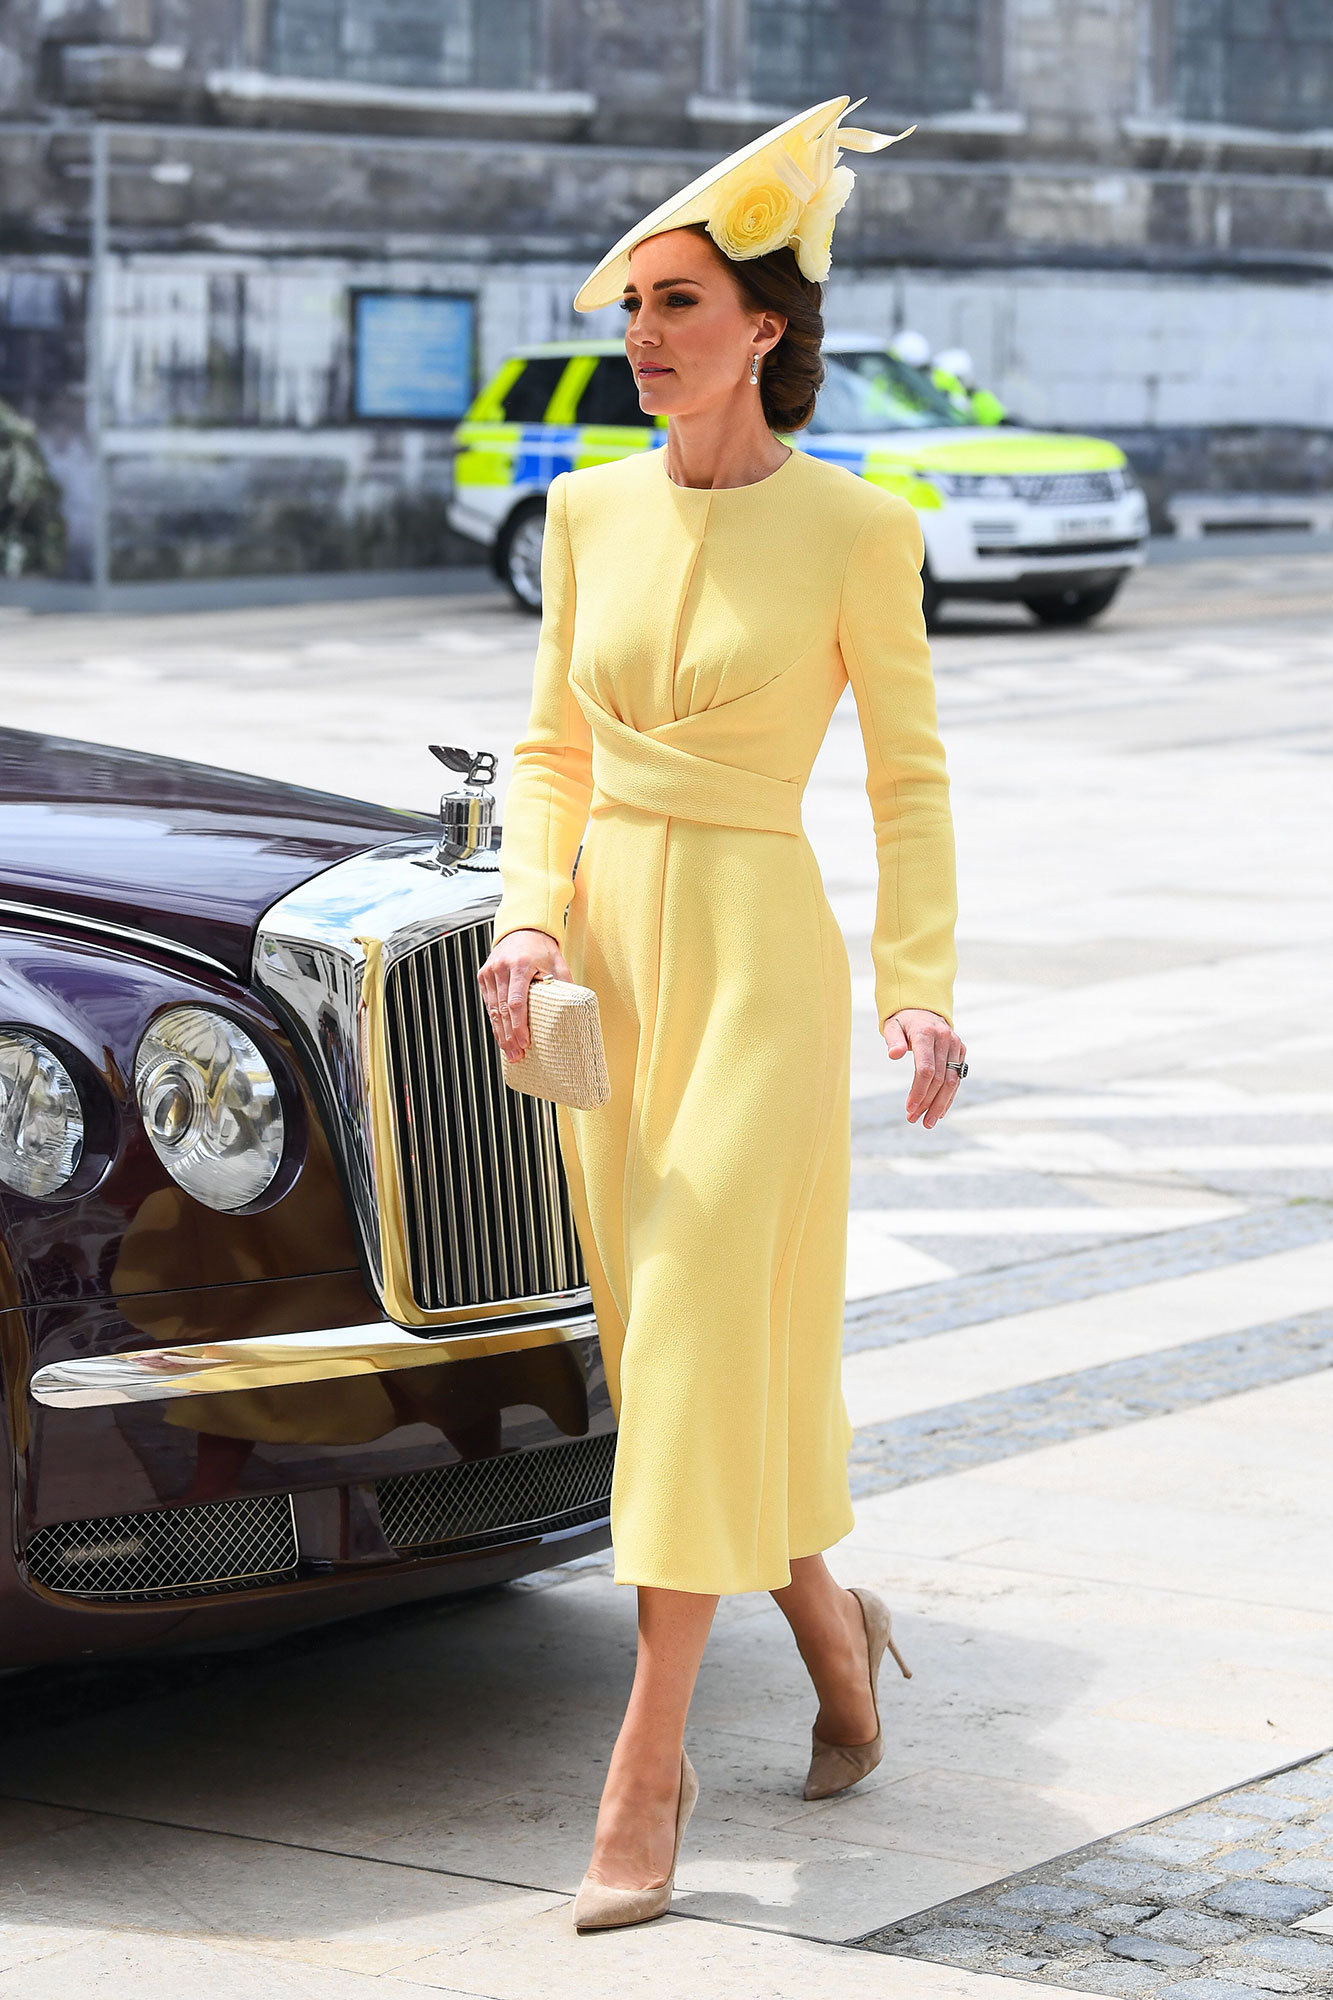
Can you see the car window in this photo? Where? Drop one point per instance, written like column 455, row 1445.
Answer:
column 611, row 396
column 527, row 396
column 913, row 385
column 873, row 392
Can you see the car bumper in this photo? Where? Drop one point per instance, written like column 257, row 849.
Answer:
column 1010, row 549
column 221, row 1367
column 222, row 1486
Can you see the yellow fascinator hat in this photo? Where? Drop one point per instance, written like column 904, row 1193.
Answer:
column 784, row 188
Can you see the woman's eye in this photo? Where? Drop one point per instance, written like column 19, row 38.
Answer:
column 680, row 299
column 629, row 305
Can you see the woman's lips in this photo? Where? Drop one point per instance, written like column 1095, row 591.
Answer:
column 648, row 369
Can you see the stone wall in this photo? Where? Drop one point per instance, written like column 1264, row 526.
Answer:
column 1112, row 266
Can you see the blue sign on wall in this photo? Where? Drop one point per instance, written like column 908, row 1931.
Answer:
column 412, row 354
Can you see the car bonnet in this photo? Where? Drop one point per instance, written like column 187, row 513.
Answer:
column 182, row 851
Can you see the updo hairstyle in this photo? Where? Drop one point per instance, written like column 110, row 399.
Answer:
column 791, row 372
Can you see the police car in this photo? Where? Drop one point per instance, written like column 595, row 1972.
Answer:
column 1042, row 518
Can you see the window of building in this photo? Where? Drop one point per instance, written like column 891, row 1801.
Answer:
column 918, row 56
column 487, row 44
column 1254, row 62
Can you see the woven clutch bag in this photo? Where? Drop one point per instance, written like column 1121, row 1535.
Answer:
column 564, row 1061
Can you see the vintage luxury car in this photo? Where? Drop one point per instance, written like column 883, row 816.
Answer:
column 293, row 1320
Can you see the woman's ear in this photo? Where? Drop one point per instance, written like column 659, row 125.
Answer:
column 769, row 328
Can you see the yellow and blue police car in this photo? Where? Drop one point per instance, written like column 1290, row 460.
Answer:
column 1042, row 518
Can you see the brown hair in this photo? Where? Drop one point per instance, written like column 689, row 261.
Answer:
column 793, row 370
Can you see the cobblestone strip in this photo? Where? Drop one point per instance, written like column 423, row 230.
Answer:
column 985, row 1429
column 1081, row 1274
column 1229, row 1899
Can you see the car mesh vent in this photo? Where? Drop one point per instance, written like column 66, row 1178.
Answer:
column 486, row 1212
column 499, row 1499
column 177, row 1552
column 1067, row 489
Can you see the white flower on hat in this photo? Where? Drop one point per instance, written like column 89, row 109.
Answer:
column 812, row 238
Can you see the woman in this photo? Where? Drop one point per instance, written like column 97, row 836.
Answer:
column 704, row 607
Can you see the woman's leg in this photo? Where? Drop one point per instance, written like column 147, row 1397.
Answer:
column 636, row 1825
column 831, row 1638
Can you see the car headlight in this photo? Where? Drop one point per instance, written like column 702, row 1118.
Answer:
column 41, row 1118
column 974, row 485
column 210, row 1106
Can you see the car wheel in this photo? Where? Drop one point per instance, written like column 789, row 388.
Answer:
column 1072, row 607
column 930, row 598
column 519, row 556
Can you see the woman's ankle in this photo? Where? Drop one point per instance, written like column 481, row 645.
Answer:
column 645, row 1762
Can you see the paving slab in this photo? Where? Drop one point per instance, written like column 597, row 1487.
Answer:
column 284, row 1902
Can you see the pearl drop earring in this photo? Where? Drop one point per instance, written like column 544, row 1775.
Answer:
column 754, row 370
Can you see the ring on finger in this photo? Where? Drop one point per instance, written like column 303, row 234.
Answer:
column 959, row 1069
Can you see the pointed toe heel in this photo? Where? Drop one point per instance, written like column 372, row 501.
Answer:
column 599, row 1907
column 836, row 1767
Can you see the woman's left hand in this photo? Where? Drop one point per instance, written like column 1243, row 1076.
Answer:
column 934, row 1046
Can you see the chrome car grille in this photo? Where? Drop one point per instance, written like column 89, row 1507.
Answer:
column 179, row 1552
column 486, row 1210
column 499, row 1499
column 1067, row 489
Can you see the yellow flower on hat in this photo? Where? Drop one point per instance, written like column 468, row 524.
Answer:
column 753, row 213
column 812, row 238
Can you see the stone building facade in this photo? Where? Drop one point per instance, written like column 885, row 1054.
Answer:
column 1123, row 207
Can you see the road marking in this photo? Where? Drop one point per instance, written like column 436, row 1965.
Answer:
column 1067, row 1274
column 1210, row 1101
column 879, row 1260
column 878, row 1263
column 881, row 1384
column 1193, row 1000
column 1093, row 1220
column 1092, row 1153
column 1009, row 1423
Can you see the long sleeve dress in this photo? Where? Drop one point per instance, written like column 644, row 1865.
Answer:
column 694, row 644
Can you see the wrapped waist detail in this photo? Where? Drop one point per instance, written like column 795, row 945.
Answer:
column 637, row 769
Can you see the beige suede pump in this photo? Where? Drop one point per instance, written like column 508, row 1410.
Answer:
column 836, row 1767
column 598, row 1907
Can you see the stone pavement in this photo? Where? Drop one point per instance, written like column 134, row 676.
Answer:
column 1214, row 1902
column 1089, row 1327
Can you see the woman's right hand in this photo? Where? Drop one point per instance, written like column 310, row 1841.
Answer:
column 518, row 959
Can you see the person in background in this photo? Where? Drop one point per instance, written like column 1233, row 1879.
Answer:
column 911, row 348
column 955, row 375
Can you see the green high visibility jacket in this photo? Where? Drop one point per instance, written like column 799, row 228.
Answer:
column 981, row 405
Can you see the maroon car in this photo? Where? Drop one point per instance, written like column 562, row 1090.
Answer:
column 293, row 1321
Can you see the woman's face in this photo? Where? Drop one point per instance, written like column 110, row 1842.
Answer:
column 690, row 334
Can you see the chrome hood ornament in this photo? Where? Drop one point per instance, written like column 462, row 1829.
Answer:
column 467, row 814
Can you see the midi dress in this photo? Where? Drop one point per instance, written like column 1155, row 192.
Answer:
column 694, row 645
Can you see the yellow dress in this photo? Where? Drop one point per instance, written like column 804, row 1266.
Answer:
column 693, row 647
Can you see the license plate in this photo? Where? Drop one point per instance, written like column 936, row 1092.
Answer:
column 1083, row 528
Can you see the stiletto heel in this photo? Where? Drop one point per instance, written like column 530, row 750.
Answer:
column 836, row 1767
column 598, row 1907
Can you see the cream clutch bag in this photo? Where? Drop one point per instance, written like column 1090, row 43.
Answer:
column 565, row 1061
